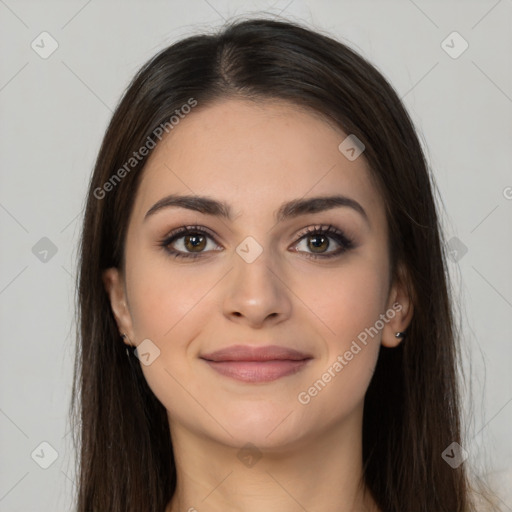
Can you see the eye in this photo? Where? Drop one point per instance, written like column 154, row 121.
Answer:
column 191, row 242
column 317, row 239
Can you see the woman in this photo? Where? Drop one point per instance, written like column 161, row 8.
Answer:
column 261, row 228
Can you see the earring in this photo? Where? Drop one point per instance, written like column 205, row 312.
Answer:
column 126, row 349
column 400, row 334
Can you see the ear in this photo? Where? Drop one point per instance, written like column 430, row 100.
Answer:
column 400, row 301
column 113, row 281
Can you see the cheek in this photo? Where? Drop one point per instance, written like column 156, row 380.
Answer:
column 345, row 300
column 163, row 297
column 349, row 309
column 166, row 305
column 348, row 302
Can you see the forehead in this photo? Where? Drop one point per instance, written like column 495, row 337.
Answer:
column 254, row 156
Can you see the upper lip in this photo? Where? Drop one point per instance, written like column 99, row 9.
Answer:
column 248, row 353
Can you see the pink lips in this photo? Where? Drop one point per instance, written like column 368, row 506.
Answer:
column 256, row 364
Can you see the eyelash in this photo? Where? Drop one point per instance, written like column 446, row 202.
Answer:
column 330, row 231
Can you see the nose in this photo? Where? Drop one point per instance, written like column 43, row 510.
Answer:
column 257, row 293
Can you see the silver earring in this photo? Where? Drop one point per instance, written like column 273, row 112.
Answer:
column 126, row 349
column 400, row 334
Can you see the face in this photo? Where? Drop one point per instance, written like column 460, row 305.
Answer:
column 265, row 275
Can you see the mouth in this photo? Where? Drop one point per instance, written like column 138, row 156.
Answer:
column 256, row 364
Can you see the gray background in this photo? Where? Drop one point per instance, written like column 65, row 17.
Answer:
column 54, row 113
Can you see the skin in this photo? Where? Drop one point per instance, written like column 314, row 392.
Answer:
column 255, row 157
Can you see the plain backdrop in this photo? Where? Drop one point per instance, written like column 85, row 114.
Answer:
column 55, row 108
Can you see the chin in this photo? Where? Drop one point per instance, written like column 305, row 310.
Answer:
column 262, row 423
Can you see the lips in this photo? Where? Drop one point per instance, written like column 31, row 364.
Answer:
column 247, row 353
column 256, row 364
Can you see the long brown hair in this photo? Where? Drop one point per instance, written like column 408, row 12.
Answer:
column 412, row 406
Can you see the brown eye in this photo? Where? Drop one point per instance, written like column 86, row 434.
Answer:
column 318, row 243
column 188, row 242
column 319, row 239
column 195, row 242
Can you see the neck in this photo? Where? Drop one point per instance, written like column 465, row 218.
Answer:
column 323, row 473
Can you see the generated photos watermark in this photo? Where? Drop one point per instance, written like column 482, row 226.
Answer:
column 137, row 156
column 305, row 397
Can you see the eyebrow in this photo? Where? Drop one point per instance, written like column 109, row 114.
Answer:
column 289, row 210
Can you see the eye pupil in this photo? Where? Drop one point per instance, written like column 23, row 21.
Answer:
column 195, row 241
column 316, row 244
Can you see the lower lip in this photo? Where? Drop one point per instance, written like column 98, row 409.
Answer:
column 257, row 371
